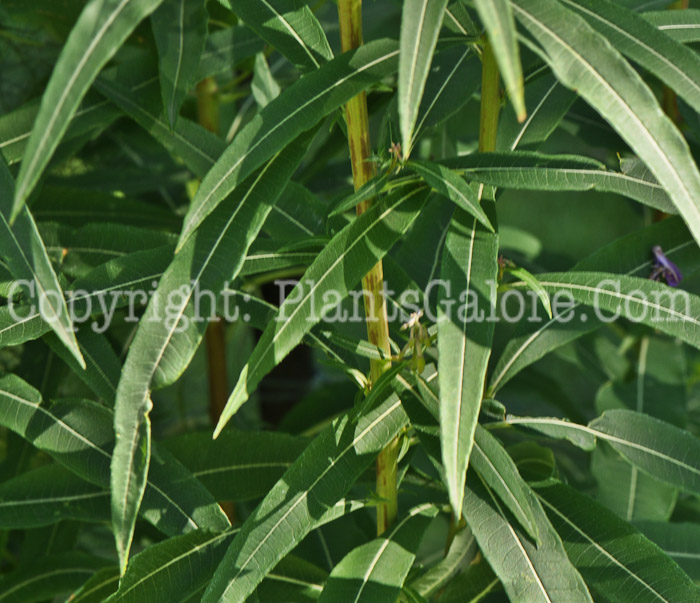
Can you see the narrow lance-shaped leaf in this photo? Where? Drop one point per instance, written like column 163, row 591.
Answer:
column 618, row 563
column 239, row 465
column 671, row 311
column 497, row 17
column 658, row 389
column 48, row 577
column 679, row 540
column 528, row 572
column 79, row 435
column 224, row 49
column 630, row 254
column 24, row 252
column 47, row 495
column 488, row 457
column 681, row 25
column 548, row 103
column 180, row 29
column 101, row 29
column 669, row 454
column 420, row 26
column 342, row 264
column 449, row 184
column 96, row 590
column 173, row 569
column 297, row 109
column 291, row 28
column 674, row 64
column 375, row 571
column 525, row 170
column 197, row 147
column 583, row 59
column 469, row 264
column 162, row 347
column 308, row 490
column 656, row 447
column 462, row 549
column 500, row 474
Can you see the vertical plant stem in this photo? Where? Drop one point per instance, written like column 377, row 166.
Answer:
column 490, row 100
column 215, row 337
column 208, row 116
column 350, row 19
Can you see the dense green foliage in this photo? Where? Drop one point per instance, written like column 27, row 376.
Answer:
column 194, row 402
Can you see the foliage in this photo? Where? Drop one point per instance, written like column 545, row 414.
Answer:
column 198, row 403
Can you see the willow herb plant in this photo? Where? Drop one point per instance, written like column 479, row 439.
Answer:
column 317, row 301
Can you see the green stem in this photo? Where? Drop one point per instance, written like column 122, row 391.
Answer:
column 490, row 100
column 350, row 20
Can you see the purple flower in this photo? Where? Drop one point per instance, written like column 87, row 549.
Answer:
column 663, row 267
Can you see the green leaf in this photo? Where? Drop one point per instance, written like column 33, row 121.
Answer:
column 669, row 454
column 629, row 255
column 288, row 26
column 629, row 492
column 499, row 473
column 239, row 465
column 162, row 348
column 617, row 562
column 488, row 457
column 469, row 264
column 472, row 585
column 497, row 17
column 658, row 389
column 292, row 579
column 296, row 110
column 524, row 170
column 101, row 29
column 435, row 578
column 579, row 435
column 79, row 435
column 528, row 572
column 96, row 590
column 376, row 571
column 307, row 492
column 224, row 49
column 48, row 577
column 47, row 495
column 264, row 256
column 75, row 207
column 535, row 286
column 455, row 74
column 23, row 250
column 179, row 28
column 674, row 64
column 341, row 264
column 549, row 102
column 584, row 60
column 641, row 300
column 263, row 86
column 198, row 148
column 420, row 26
column 450, row 185
column 680, row 541
column 173, row 569
column 682, row 25
column 103, row 364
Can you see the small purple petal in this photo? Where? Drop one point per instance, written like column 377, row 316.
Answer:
column 671, row 272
